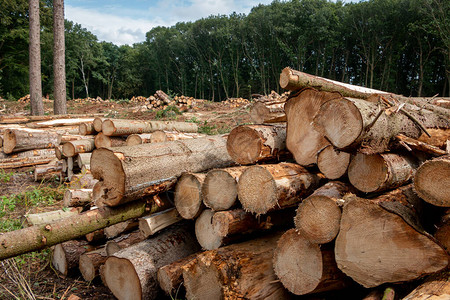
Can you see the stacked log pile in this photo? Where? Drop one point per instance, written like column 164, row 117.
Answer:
column 269, row 224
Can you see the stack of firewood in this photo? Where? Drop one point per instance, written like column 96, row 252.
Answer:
column 236, row 102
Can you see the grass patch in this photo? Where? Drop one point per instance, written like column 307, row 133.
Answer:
column 5, row 176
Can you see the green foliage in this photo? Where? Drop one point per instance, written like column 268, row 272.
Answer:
column 193, row 120
column 206, row 128
column 5, row 176
column 170, row 112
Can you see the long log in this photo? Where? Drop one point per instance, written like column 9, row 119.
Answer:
column 432, row 181
column 71, row 149
column 435, row 287
column 117, row 127
column 248, row 144
column 19, row 162
column 77, row 197
column 160, row 136
column 268, row 187
column 38, row 237
column 65, row 256
column 263, row 112
column 15, row 140
column 304, row 267
column 332, row 162
column 28, row 153
column 103, row 141
column 124, row 171
column 238, row 271
column 188, row 195
column 379, row 240
column 303, row 140
column 131, row 272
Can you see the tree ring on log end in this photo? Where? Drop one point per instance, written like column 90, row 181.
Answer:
column 244, row 145
column 219, row 190
column 205, row 233
column 367, row 173
column 9, row 141
column 188, row 198
column 68, row 149
column 108, row 127
column 121, row 278
column 86, row 268
column 332, row 162
column 432, row 182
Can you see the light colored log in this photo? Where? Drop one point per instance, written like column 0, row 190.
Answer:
column 15, row 140
column 97, row 123
column 272, row 112
column 49, row 216
column 103, row 141
column 86, row 128
column 65, row 256
column 80, row 146
column 150, row 225
column 332, row 162
column 123, row 241
column 83, row 159
column 77, row 197
column 48, row 171
column 170, row 277
column 117, row 127
column 188, row 195
column 435, row 287
column 90, row 263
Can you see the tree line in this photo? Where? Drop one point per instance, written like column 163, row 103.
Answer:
column 400, row 46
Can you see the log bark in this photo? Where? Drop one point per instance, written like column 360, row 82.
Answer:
column 150, row 225
column 28, row 153
column 248, row 144
column 318, row 216
column 38, row 237
column 19, row 162
column 124, row 172
column 303, row 140
column 238, row 271
column 219, row 189
column 170, row 277
column 332, row 162
column 304, row 267
column 49, row 171
column 269, row 187
column 380, row 240
column 188, row 195
column 15, row 140
column 77, row 197
column 432, row 181
column 103, row 141
column 90, row 263
column 119, row 228
column 436, row 287
column 117, row 127
column 65, row 256
column 87, row 128
column 131, row 272
column 262, row 112
column 97, row 123
column 73, row 148
column 49, row 216
column 123, row 241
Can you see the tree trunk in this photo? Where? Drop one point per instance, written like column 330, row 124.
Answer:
column 432, row 181
column 318, row 216
column 59, row 62
column 98, row 123
column 37, row 106
column 65, row 256
column 269, row 187
column 19, row 162
column 219, row 189
column 117, row 127
column 15, row 140
column 77, row 197
column 303, row 140
column 86, row 128
column 71, row 149
column 248, row 144
column 103, row 141
column 123, row 241
column 379, row 240
column 238, row 271
column 304, row 267
column 150, row 225
column 159, row 136
column 170, row 277
column 206, row 236
column 131, row 272
column 90, row 263
column 261, row 112
column 28, row 153
column 436, row 286
column 332, row 162
column 122, row 227
column 123, row 171
column 137, row 139
column 188, row 195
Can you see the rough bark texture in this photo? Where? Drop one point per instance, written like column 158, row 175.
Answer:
column 150, row 225
column 66, row 256
column 435, row 287
column 304, row 267
column 59, row 59
column 380, row 241
column 432, row 181
column 303, row 140
column 170, row 277
column 318, row 216
column 15, row 140
column 188, row 195
column 332, row 162
column 262, row 112
column 103, row 141
column 124, row 171
column 81, row 146
column 248, row 144
column 131, row 272
column 37, row 106
column 90, row 263
column 77, row 197
column 269, row 187
column 117, row 127
column 19, row 162
column 238, row 271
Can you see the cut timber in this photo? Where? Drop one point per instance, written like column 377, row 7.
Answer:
column 131, row 272
column 48, row 171
column 170, row 277
column 50, row 216
column 71, row 149
column 303, row 140
column 379, row 240
column 150, row 225
column 83, row 159
column 82, row 181
column 380, row 172
column 96, row 236
column 66, row 256
column 137, row 139
column 435, row 287
column 188, row 195
column 103, row 141
column 119, row 228
column 332, row 162
column 219, row 189
column 412, row 144
column 204, row 231
column 160, row 136
column 19, row 162
column 123, row 241
column 318, row 216
column 270, row 187
column 262, row 112
column 97, row 123
column 77, row 197
column 90, row 263
column 117, row 127
column 304, row 267
column 238, row 271
column 439, row 137
column 86, row 128
column 28, row 153
column 432, row 181
column 38, row 237
column 15, row 140
column 248, row 144
column 58, row 152
column 124, row 171
column 71, row 138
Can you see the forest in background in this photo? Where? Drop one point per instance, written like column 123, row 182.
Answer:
column 400, row 46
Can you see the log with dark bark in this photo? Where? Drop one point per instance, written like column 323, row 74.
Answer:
column 71, row 149
column 90, row 263
column 124, row 171
column 332, row 162
column 269, row 187
column 123, row 241
column 65, row 256
column 248, row 144
column 303, row 140
column 432, row 181
column 103, row 141
column 117, row 127
column 77, row 197
column 86, row 128
column 150, row 225
column 188, row 195
column 131, row 272
column 304, row 267
column 238, row 271
column 15, row 140
column 170, row 277
column 267, row 112
column 435, row 287
column 318, row 216
column 380, row 240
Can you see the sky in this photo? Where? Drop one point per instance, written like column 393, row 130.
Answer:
column 126, row 21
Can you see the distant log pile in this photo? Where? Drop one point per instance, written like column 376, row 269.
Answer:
column 271, row 225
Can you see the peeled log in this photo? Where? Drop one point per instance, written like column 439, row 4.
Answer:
column 188, row 195
column 261, row 112
column 71, row 149
column 432, row 181
column 131, row 272
column 124, row 171
column 90, row 263
column 77, row 197
column 332, row 162
column 238, row 271
column 103, row 141
column 435, row 287
column 303, row 140
column 248, row 144
column 15, row 140
column 318, row 216
column 379, row 241
column 66, row 256
column 117, row 127
column 262, row 188
column 380, row 172
column 304, row 267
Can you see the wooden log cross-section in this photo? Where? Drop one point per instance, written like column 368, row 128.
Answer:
column 332, row 162
column 272, row 112
column 65, row 256
column 103, row 141
column 188, row 198
column 72, row 148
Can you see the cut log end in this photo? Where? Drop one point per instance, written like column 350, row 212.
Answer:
column 367, row 172
column 188, row 198
column 207, row 237
column 121, row 278
column 97, row 123
column 87, row 268
column 9, row 141
column 244, row 145
column 133, row 139
column 219, row 190
column 158, row 136
column 108, row 127
column 432, row 181
column 68, row 150
column 206, row 284
column 332, row 162
column 59, row 260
